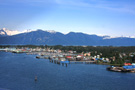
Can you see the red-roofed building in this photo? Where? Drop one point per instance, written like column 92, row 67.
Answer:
column 126, row 64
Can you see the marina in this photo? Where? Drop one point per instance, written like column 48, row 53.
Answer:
column 71, row 57
column 19, row 71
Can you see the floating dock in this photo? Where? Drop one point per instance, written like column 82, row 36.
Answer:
column 86, row 62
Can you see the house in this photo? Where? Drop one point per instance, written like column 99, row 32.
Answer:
column 126, row 64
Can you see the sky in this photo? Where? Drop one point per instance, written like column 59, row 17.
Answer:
column 101, row 17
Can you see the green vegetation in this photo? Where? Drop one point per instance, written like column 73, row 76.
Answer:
column 117, row 55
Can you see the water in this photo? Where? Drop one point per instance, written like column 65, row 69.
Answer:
column 18, row 71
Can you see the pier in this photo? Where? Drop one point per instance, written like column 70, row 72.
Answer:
column 86, row 62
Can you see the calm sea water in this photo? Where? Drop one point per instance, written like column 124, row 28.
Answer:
column 18, row 71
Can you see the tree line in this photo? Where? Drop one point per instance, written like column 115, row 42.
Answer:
column 120, row 53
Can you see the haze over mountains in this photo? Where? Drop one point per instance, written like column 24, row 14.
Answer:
column 40, row 37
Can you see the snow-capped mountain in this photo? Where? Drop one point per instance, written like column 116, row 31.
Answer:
column 42, row 37
column 6, row 32
column 50, row 31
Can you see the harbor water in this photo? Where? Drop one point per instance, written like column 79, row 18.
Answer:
column 18, row 72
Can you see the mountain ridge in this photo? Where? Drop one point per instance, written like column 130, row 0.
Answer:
column 7, row 32
column 41, row 37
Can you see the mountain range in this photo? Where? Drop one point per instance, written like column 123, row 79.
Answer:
column 41, row 37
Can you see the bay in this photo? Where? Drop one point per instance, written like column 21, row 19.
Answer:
column 18, row 71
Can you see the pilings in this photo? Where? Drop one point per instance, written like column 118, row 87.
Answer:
column 64, row 62
column 59, row 62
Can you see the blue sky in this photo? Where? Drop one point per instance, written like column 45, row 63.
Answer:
column 102, row 17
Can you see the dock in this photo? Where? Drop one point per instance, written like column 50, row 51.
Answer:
column 86, row 62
